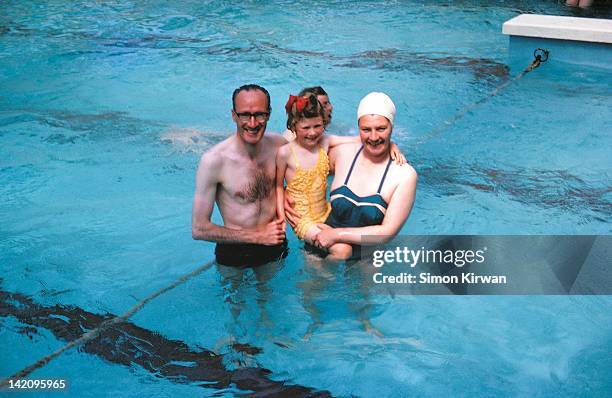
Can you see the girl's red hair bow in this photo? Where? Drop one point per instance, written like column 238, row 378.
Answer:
column 300, row 103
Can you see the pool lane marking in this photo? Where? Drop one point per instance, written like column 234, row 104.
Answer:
column 92, row 334
column 538, row 60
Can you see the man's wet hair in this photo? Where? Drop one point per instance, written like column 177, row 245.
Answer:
column 250, row 87
column 316, row 90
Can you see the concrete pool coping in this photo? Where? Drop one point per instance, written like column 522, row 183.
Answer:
column 560, row 28
column 568, row 40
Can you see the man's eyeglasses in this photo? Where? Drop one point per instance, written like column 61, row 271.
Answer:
column 260, row 117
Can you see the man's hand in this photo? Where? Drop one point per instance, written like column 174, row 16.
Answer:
column 292, row 216
column 273, row 233
column 397, row 155
column 326, row 237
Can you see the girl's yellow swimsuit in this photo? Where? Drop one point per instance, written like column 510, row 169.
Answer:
column 308, row 188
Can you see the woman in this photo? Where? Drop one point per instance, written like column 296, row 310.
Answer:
column 371, row 198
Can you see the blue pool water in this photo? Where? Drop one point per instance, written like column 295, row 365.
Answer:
column 105, row 108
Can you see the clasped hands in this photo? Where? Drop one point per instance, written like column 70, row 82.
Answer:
column 324, row 239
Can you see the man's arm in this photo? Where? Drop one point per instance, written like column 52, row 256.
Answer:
column 288, row 135
column 278, row 139
column 397, row 213
column 281, row 167
column 203, row 203
column 335, row 140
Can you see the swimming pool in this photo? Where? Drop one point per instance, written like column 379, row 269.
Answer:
column 98, row 111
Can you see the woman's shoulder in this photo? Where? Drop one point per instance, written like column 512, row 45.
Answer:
column 404, row 173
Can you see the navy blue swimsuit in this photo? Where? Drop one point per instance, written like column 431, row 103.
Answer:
column 350, row 210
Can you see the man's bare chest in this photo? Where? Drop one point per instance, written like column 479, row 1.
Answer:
column 250, row 184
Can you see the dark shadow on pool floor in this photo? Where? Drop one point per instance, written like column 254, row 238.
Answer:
column 127, row 344
column 544, row 188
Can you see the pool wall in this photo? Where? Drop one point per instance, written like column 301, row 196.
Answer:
column 579, row 41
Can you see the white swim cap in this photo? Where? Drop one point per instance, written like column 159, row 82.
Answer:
column 376, row 104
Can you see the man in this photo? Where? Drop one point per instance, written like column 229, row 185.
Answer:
column 370, row 196
column 238, row 174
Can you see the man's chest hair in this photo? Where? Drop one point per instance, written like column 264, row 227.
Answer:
column 253, row 184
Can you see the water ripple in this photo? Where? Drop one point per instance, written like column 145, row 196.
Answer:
column 554, row 189
column 100, row 124
column 390, row 59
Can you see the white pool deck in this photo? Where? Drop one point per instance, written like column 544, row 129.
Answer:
column 560, row 28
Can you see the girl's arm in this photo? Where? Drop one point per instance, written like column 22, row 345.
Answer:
column 281, row 168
